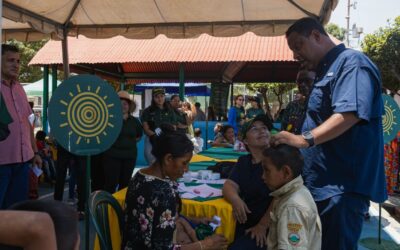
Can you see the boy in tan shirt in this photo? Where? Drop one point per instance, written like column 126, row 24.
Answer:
column 294, row 223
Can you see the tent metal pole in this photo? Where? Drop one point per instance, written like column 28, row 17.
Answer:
column 53, row 77
column 45, row 97
column 182, row 81
column 206, row 109
column 232, row 94
column 64, row 44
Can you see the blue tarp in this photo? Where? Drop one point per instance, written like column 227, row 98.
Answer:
column 191, row 89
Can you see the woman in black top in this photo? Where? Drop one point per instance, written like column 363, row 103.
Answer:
column 119, row 161
column 246, row 191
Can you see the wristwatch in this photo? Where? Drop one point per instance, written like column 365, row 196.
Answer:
column 308, row 136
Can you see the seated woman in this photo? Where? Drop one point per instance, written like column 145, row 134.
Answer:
column 226, row 137
column 151, row 199
column 246, row 191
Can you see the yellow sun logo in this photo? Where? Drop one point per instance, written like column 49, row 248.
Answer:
column 388, row 119
column 85, row 115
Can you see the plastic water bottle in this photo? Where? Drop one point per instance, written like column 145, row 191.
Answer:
column 236, row 147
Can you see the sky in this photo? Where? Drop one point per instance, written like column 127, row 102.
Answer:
column 369, row 14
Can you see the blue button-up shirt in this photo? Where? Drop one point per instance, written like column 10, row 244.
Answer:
column 346, row 81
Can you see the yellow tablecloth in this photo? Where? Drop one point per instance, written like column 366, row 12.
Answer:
column 190, row 208
column 200, row 158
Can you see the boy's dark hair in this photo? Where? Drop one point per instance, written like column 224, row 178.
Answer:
column 40, row 135
column 305, row 26
column 197, row 105
column 8, row 47
column 197, row 132
column 63, row 216
column 284, row 154
column 171, row 142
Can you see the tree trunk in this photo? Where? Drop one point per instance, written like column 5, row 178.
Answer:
column 264, row 95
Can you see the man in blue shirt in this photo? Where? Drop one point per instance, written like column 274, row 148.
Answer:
column 342, row 137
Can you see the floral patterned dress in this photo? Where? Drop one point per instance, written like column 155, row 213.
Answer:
column 150, row 213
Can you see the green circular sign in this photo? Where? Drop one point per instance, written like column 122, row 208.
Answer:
column 85, row 115
column 390, row 119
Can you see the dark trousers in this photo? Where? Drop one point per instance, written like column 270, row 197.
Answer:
column 97, row 172
column 14, row 183
column 244, row 241
column 65, row 160
column 117, row 172
column 342, row 219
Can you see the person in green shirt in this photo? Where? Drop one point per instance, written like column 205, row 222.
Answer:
column 255, row 109
column 152, row 117
column 119, row 161
column 182, row 118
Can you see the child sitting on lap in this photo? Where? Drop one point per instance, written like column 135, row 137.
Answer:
column 295, row 222
column 185, row 232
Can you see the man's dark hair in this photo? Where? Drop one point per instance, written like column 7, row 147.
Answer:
column 8, row 47
column 284, row 154
column 63, row 216
column 305, row 26
column 197, row 105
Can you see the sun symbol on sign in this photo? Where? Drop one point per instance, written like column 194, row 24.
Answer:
column 388, row 120
column 86, row 114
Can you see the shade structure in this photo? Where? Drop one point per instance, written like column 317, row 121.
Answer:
column 30, row 19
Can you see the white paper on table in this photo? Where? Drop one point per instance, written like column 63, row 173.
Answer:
column 188, row 196
column 203, row 191
column 37, row 171
column 220, row 181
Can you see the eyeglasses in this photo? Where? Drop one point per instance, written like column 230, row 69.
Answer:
column 258, row 129
column 240, row 99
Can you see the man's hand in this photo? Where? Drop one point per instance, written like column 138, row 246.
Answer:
column 240, row 210
column 259, row 232
column 285, row 137
column 37, row 160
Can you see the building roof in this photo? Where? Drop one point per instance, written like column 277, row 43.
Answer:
column 245, row 48
column 246, row 58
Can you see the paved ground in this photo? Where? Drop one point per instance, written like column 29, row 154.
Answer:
column 390, row 234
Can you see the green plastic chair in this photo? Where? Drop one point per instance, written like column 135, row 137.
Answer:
column 99, row 202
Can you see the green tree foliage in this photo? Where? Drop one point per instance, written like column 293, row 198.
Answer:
column 276, row 89
column 383, row 47
column 336, row 31
column 28, row 51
